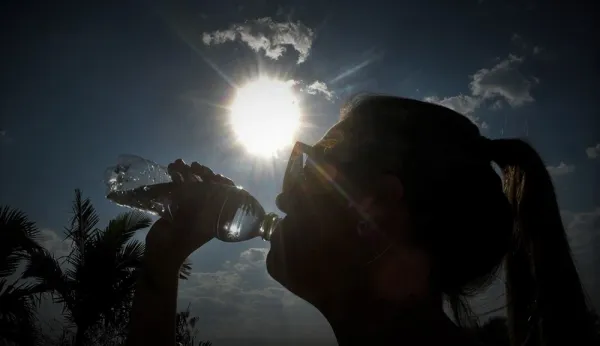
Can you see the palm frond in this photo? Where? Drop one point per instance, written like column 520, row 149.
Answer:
column 130, row 257
column 49, row 277
column 96, row 285
column 185, row 270
column 11, row 218
column 123, row 227
column 17, row 315
column 9, row 264
column 18, row 236
column 103, row 273
column 83, row 221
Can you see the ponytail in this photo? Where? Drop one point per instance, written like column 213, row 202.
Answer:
column 547, row 304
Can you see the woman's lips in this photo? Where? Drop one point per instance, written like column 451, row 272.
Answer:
column 278, row 228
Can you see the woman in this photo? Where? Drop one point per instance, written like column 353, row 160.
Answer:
column 395, row 209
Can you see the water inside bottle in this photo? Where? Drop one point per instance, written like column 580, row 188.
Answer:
column 241, row 216
column 154, row 199
column 133, row 172
column 146, row 186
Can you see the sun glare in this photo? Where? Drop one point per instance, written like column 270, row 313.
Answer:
column 265, row 115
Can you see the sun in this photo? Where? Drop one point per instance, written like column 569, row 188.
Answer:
column 265, row 115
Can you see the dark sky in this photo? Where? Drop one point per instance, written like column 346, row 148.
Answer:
column 84, row 82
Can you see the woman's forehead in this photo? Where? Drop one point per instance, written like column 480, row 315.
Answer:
column 344, row 139
column 333, row 137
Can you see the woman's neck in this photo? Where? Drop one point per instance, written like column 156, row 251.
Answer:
column 384, row 322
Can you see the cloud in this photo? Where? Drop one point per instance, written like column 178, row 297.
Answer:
column 463, row 104
column 583, row 233
column 593, row 152
column 266, row 35
column 4, row 137
column 494, row 86
column 315, row 88
column 516, row 38
column 503, row 81
column 242, row 294
column 561, row 169
column 525, row 45
column 497, row 105
column 52, row 242
column 319, row 87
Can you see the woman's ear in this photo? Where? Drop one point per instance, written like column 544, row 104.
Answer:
column 383, row 204
column 390, row 188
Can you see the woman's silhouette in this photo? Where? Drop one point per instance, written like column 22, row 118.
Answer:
column 397, row 208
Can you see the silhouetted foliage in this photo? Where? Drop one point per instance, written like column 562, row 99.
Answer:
column 18, row 238
column 94, row 283
column 97, row 281
column 186, row 329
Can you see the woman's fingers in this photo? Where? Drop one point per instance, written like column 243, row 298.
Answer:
column 181, row 172
column 205, row 173
column 221, row 179
column 176, row 170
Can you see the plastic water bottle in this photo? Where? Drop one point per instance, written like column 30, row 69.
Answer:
column 144, row 185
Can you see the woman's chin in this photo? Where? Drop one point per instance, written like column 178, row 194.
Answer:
column 274, row 265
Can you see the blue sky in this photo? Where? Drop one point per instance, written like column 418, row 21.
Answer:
column 82, row 84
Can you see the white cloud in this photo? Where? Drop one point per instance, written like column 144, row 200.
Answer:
column 242, row 294
column 315, row 88
column 561, row 169
column 463, row 104
column 55, row 244
column 496, row 105
column 593, row 152
column 319, row 87
column 4, row 137
column 267, row 35
column 525, row 45
column 503, row 81
column 516, row 38
column 583, row 233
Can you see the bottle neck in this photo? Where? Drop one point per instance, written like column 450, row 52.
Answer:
column 268, row 225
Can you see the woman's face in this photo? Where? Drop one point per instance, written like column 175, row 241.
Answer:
column 316, row 249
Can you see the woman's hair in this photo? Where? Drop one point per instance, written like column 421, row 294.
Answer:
column 472, row 221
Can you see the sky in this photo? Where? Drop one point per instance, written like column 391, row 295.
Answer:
column 83, row 83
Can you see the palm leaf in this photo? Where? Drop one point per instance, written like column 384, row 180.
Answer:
column 120, row 229
column 130, row 257
column 9, row 264
column 49, row 277
column 82, row 223
column 17, row 314
column 18, row 236
column 185, row 270
column 103, row 273
column 11, row 218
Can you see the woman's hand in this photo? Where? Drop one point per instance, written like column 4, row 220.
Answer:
column 192, row 223
column 170, row 241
